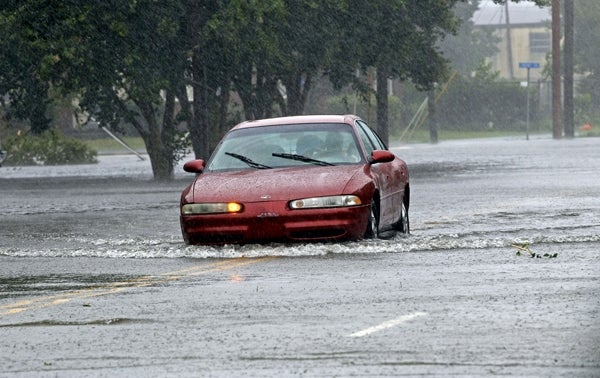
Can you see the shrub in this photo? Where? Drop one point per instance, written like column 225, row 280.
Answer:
column 470, row 104
column 48, row 148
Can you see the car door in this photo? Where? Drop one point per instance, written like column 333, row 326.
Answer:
column 388, row 177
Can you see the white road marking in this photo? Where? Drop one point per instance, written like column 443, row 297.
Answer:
column 387, row 324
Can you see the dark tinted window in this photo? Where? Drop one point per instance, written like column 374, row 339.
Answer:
column 374, row 141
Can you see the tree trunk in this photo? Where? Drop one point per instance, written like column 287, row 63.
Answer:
column 199, row 124
column 383, row 126
column 159, row 151
column 37, row 112
column 223, row 108
column 297, row 87
column 432, row 116
column 197, row 113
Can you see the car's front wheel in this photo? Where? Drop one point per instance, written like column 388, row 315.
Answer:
column 372, row 231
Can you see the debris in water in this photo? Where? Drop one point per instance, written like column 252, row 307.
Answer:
column 524, row 247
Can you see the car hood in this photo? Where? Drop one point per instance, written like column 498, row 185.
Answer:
column 279, row 184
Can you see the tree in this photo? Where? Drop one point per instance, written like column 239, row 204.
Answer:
column 129, row 70
column 124, row 59
column 467, row 50
column 267, row 52
column 398, row 38
column 280, row 46
column 305, row 37
column 587, row 55
column 24, row 62
column 230, row 48
column 134, row 61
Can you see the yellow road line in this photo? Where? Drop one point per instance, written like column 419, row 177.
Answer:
column 115, row 287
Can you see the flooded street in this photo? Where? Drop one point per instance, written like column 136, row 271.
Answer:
column 95, row 279
column 465, row 194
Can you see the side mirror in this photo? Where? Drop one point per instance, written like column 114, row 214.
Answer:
column 194, row 166
column 381, row 156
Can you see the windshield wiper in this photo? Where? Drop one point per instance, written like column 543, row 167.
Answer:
column 247, row 160
column 303, row 158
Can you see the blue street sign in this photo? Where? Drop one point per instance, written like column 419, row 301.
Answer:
column 529, row 65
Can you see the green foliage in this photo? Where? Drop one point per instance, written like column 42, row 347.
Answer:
column 357, row 104
column 499, row 104
column 480, row 102
column 48, row 148
column 180, row 145
column 587, row 54
column 469, row 48
column 127, row 60
column 400, row 36
column 121, row 58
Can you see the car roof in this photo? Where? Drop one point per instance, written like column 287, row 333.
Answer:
column 348, row 118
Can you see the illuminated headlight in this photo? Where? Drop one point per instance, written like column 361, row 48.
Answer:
column 211, row 208
column 331, row 201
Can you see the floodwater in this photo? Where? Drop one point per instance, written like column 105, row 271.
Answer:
column 96, row 281
column 465, row 194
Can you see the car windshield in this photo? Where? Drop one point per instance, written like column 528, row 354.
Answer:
column 285, row 146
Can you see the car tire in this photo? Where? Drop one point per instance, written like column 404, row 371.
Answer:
column 403, row 224
column 372, row 231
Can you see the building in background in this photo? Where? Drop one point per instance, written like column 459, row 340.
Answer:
column 525, row 32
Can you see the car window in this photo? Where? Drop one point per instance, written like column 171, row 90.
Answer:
column 254, row 147
column 369, row 147
column 374, row 139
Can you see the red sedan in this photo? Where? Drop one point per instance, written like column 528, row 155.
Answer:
column 304, row 178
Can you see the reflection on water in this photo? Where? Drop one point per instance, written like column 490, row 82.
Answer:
column 97, row 322
column 27, row 285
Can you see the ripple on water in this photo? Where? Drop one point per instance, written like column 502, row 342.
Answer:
column 175, row 248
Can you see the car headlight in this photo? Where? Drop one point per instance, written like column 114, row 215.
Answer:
column 330, row 201
column 211, row 208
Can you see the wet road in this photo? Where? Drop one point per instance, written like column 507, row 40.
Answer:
column 95, row 280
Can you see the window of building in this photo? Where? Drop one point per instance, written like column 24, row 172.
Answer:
column 539, row 43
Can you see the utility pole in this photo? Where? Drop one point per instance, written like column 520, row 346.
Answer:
column 556, row 74
column 509, row 51
column 569, row 107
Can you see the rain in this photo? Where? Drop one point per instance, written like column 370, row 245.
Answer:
column 500, row 274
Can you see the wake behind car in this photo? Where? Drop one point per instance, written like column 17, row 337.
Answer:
column 302, row 178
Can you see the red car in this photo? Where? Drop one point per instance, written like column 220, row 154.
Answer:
column 304, row 178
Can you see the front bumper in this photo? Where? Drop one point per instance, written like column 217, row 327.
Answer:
column 273, row 221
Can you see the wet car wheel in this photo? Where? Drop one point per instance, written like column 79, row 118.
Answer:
column 403, row 225
column 373, row 224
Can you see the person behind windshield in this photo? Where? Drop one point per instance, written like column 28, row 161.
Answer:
column 308, row 145
column 334, row 145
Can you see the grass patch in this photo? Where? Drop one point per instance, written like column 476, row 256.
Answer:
column 109, row 144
